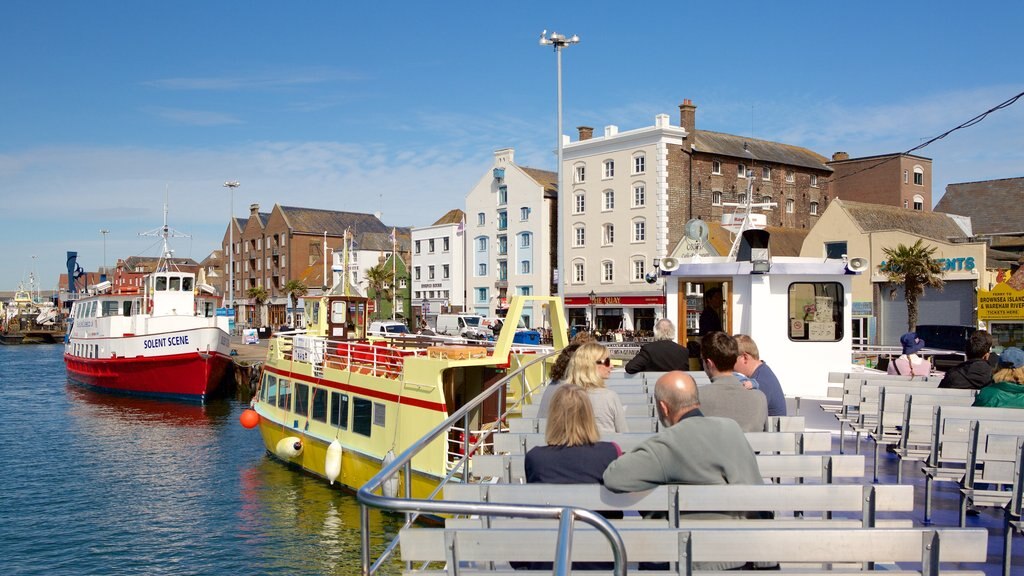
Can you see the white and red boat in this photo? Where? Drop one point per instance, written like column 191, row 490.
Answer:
column 166, row 340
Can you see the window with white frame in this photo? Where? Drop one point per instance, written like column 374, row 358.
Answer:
column 502, row 195
column 639, row 230
column 906, row 178
column 445, row 271
column 814, row 180
column 790, row 205
column 608, row 235
column 639, row 164
column 639, row 269
column 609, row 199
column 766, row 200
column 742, row 199
column 639, row 195
column 524, row 267
column 481, row 244
column 481, row 219
column 445, row 244
column 579, row 173
column 525, row 290
column 814, row 208
column 766, row 173
column 579, row 236
column 525, row 240
column 577, row 273
column 790, row 175
column 417, row 246
column 716, row 197
column 481, row 269
column 579, row 205
column 430, row 246
column 524, row 214
column 918, row 176
column 416, row 272
column 607, row 271
column 716, row 166
column 609, row 168
column 918, row 202
column 741, row 170
column 430, row 272
column 906, row 203
column 481, row 294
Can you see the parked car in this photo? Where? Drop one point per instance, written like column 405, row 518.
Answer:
column 388, row 328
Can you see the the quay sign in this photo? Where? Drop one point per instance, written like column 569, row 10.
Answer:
column 1001, row 303
column 948, row 264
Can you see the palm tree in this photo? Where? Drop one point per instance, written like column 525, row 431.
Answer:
column 295, row 289
column 913, row 268
column 380, row 280
column 259, row 297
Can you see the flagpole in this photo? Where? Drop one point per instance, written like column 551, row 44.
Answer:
column 394, row 272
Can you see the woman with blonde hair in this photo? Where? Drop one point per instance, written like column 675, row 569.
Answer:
column 558, row 371
column 589, row 367
column 1008, row 389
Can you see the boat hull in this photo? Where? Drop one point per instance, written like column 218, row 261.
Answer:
column 191, row 376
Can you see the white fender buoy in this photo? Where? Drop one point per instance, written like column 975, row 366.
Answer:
column 288, row 447
column 390, row 487
column 332, row 465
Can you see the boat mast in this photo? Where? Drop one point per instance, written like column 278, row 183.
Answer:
column 164, row 232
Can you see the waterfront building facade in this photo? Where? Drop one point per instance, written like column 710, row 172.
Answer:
column 900, row 180
column 438, row 276
column 511, row 244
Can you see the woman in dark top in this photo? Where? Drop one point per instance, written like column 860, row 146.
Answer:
column 574, row 455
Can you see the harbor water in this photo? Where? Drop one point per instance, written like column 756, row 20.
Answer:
column 102, row 484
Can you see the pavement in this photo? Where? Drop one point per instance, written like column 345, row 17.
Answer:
column 249, row 353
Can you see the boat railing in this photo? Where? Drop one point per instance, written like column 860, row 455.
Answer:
column 370, row 495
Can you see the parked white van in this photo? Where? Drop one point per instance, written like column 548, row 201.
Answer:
column 465, row 325
column 390, row 328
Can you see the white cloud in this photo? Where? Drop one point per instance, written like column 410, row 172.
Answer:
column 194, row 117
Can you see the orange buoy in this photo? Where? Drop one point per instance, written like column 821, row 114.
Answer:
column 249, row 418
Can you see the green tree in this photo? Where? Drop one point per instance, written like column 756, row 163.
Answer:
column 913, row 268
column 295, row 289
column 259, row 297
column 380, row 281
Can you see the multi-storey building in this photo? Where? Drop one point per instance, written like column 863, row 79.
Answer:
column 290, row 243
column 629, row 195
column 901, row 180
column 439, row 267
column 510, row 235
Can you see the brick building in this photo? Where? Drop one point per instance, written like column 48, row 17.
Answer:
column 901, row 180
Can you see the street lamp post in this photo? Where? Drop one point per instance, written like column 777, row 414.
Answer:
column 231, row 249
column 558, row 42
column 593, row 311
column 103, row 276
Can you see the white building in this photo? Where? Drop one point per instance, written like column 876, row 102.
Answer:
column 616, row 211
column 439, row 266
column 510, row 237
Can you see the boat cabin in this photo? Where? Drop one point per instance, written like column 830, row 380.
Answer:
column 337, row 316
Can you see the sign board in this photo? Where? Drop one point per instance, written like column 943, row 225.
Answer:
column 226, row 312
column 1001, row 303
column 371, row 306
column 425, row 307
column 250, row 336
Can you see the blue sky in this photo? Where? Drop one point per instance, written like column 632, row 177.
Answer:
column 397, row 107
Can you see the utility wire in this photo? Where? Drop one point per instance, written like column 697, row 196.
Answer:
column 977, row 119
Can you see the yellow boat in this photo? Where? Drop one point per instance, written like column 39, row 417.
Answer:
column 378, row 397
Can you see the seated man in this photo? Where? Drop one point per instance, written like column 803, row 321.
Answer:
column 726, row 396
column 976, row 372
column 749, row 364
column 662, row 355
column 691, row 448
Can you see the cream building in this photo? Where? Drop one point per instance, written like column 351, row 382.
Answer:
column 438, row 266
column 860, row 230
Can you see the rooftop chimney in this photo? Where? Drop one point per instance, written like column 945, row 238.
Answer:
column 586, row 132
column 254, row 209
column 840, row 156
column 688, row 115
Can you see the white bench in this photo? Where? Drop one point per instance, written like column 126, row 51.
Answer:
column 762, row 442
column 1012, row 518
column 991, row 457
column 918, row 418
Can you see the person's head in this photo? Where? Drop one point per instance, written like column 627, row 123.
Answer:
column 1011, row 366
column 911, row 343
column 664, row 329
column 561, row 365
column 675, row 394
column 718, row 351
column 713, row 297
column 978, row 345
column 590, row 366
column 571, row 419
column 748, row 358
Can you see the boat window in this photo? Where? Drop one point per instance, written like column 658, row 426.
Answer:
column 126, row 308
column 92, row 309
column 362, row 414
column 319, row 404
column 816, row 311
column 301, row 399
column 110, row 308
column 269, row 393
column 161, row 283
column 187, row 284
column 379, row 410
column 339, row 410
column 175, row 283
column 284, row 396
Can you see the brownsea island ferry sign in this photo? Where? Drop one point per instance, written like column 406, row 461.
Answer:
column 1001, row 303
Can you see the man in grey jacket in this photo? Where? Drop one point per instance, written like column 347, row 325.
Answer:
column 691, row 449
column 726, row 395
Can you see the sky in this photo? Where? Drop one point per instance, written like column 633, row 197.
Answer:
column 107, row 109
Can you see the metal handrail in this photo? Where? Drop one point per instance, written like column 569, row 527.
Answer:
column 414, row 507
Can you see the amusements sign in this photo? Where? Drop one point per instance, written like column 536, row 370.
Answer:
column 1001, row 303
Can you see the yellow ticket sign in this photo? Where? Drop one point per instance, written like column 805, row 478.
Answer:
column 1001, row 303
